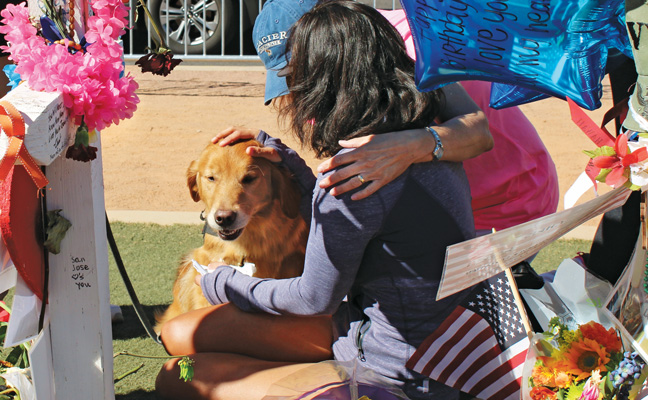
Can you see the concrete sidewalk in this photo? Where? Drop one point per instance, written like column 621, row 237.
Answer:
column 582, row 232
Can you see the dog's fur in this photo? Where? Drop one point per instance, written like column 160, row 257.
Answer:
column 244, row 193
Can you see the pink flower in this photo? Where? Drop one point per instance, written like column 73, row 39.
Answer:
column 91, row 83
column 619, row 163
column 591, row 390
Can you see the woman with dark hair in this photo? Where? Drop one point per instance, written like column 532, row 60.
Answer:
column 341, row 88
column 349, row 74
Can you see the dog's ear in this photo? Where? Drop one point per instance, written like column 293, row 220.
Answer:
column 286, row 191
column 192, row 183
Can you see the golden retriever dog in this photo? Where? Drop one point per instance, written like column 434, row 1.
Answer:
column 251, row 216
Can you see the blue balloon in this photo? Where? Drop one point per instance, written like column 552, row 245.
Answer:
column 614, row 35
column 548, row 47
column 503, row 95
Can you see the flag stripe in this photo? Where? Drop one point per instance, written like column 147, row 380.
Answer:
column 444, row 328
column 477, row 364
column 438, row 350
column 442, row 334
column 464, row 353
column 482, row 347
column 469, row 378
column 456, row 375
column 511, row 391
column 504, row 387
column 505, row 374
column 512, row 352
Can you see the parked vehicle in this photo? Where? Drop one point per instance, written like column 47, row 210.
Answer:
column 197, row 26
column 205, row 26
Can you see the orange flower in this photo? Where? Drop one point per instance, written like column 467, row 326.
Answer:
column 542, row 375
column 563, row 379
column 583, row 357
column 547, row 375
column 542, row 393
column 606, row 338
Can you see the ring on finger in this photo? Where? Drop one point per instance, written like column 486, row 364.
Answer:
column 361, row 178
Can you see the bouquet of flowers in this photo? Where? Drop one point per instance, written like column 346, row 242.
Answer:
column 586, row 363
column 89, row 74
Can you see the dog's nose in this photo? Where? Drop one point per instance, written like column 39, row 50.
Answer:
column 225, row 218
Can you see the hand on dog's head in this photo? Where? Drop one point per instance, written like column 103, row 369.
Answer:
column 232, row 178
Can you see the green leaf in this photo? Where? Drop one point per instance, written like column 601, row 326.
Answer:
column 603, row 174
column 601, row 151
column 57, row 227
column 631, row 186
column 25, row 358
column 606, row 151
column 82, row 136
column 14, row 355
column 575, row 392
column 3, row 332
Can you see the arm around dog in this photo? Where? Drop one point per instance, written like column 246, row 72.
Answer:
column 339, row 233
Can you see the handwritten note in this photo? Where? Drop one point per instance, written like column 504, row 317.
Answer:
column 78, row 272
column 463, row 47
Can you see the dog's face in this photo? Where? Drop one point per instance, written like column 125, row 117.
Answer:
column 235, row 187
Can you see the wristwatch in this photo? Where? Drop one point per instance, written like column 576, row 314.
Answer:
column 437, row 153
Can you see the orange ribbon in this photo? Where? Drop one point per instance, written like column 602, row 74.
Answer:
column 13, row 125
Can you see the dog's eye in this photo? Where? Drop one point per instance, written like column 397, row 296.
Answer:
column 210, row 178
column 248, row 179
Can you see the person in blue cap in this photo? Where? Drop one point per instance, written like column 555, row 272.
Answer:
column 349, row 74
column 462, row 132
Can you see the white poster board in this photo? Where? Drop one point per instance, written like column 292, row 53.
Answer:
column 470, row 262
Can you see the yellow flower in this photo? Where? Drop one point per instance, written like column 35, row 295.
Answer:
column 583, row 357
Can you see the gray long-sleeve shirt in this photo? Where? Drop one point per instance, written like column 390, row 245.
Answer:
column 385, row 253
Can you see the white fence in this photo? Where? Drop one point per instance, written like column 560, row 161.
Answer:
column 203, row 30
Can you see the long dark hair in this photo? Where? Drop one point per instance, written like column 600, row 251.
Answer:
column 349, row 75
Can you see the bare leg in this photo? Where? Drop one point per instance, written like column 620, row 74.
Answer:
column 226, row 329
column 239, row 355
column 223, row 376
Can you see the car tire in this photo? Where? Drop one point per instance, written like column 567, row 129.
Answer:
column 180, row 31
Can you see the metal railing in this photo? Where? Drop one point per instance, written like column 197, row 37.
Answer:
column 203, row 30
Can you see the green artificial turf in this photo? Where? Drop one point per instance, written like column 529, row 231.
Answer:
column 151, row 254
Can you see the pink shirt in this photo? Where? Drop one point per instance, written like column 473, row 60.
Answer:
column 516, row 181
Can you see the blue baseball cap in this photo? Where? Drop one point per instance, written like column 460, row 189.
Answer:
column 270, row 33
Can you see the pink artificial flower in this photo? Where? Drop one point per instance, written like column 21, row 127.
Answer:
column 91, row 83
column 619, row 163
column 591, row 391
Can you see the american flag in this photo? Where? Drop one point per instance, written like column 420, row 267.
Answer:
column 481, row 347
